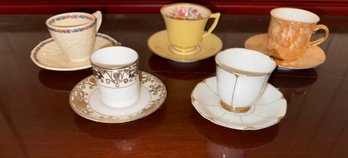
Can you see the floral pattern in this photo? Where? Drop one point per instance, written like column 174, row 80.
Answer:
column 71, row 17
column 185, row 13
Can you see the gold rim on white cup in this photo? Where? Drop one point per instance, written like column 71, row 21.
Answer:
column 116, row 71
column 185, row 24
column 242, row 77
column 290, row 32
column 75, row 33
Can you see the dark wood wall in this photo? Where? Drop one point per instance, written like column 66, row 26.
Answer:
column 327, row 7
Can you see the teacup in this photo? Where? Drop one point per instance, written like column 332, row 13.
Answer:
column 185, row 23
column 75, row 33
column 290, row 32
column 116, row 71
column 242, row 77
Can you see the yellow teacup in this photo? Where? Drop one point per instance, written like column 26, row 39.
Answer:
column 185, row 23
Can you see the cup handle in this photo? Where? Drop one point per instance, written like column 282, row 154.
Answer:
column 321, row 39
column 98, row 16
column 216, row 17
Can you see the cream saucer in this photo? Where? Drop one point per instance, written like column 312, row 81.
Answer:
column 313, row 57
column 85, row 100
column 48, row 55
column 159, row 44
column 267, row 111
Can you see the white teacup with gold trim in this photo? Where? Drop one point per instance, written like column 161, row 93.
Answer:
column 242, row 76
column 75, row 33
column 116, row 71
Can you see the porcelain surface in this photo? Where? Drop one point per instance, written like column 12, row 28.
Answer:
column 268, row 110
column 48, row 55
column 85, row 101
column 160, row 45
column 313, row 57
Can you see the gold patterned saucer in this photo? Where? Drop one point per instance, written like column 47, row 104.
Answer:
column 267, row 111
column 48, row 55
column 85, row 101
column 160, row 45
column 313, row 57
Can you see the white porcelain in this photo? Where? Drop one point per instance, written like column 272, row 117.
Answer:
column 295, row 14
column 268, row 110
column 48, row 55
column 74, row 33
column 116, row 71
column 85, row 100
column 241, row 76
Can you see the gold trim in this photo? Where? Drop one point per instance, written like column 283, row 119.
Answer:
column 79, row 99
column 231, row 108
column 240, row 72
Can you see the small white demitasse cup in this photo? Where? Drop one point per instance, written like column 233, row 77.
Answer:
column 116, row 71
column 242, row 76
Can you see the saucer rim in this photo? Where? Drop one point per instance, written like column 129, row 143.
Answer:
column 33, row 54
column 114, row 121
column 183, row 58
column 242, row 128
column 289, row 68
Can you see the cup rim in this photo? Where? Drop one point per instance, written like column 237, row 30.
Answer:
column 240, row 71
column 315, row 16
column 85, row 26
column 114, row 66
column 183, row 3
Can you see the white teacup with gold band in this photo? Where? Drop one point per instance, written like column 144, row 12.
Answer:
column 75, row 33
column 185, row 23
column 116, row 71
column 290, row 32
column 242, row 77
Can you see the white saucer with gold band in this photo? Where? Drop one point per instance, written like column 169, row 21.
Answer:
column 313, row 56
column 48, row 55
column 85, row 101
column 268, row 110
column 160, row 45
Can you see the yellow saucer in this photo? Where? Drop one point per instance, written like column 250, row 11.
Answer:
column 160, row 45
column 313, row 57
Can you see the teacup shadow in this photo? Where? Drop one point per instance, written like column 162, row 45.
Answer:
column 62, row 80
column 225, row 142
column 172, row 69
column 125, row 136
column 293, row 82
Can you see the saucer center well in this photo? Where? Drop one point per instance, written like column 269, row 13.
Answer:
column 194, row 50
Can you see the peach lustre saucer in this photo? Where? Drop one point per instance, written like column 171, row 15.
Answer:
column 85, row 101
column 160, row 45
column 48, row 55
column 267, row 111
column 313, row 57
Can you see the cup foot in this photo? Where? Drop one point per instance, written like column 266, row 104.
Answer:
column 187, row 51
column 231, row 108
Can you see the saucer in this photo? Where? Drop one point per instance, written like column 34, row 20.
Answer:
column 160, row 45
column 313, row 57
column 48, row 55
column 85, row 101
column 268, row 110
